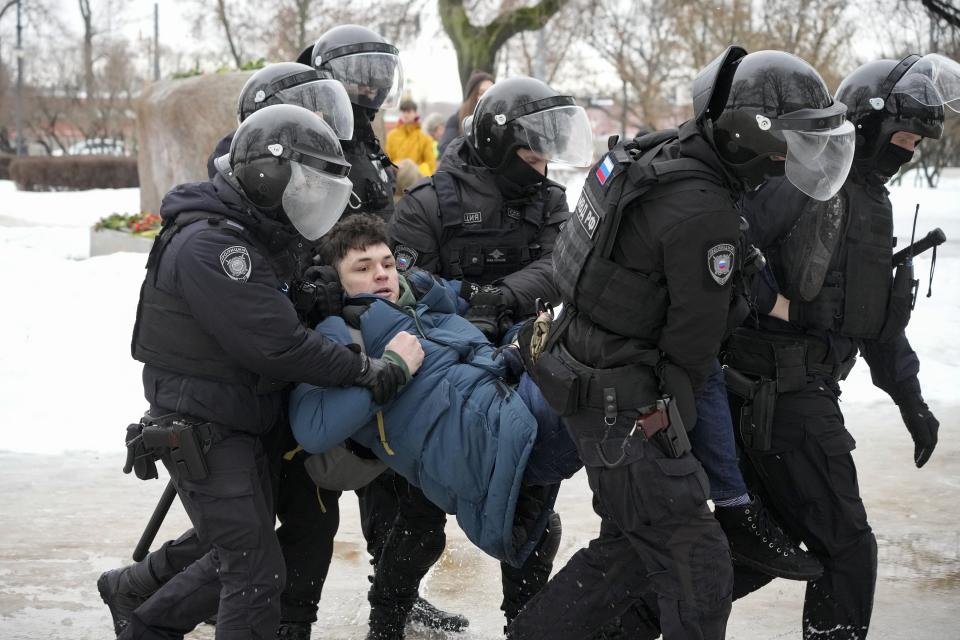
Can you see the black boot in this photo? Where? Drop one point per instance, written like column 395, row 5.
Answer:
column 428, row 615
column 757, row 541
column 386, row 623
column 125, row 589
column 294, row 631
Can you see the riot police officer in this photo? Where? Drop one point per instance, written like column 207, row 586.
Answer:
column 837, row 296
column 369, row 67
column 486, row 220
column 645, row 267
column 214, row 377
column 308, row 515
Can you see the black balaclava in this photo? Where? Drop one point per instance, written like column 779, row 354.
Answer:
column 890, row 158
column 516, row 177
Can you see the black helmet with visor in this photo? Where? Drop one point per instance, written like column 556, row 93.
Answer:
column 300, row 85
column 526, row 113
column 770, row 113
column 285, row 158
column 367, row 65
column 887, row 96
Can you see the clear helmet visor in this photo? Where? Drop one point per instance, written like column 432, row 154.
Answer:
column 933, row 81
column 314, row 200
column 373, row 80
column 561, row 134
column 328, row 99
column 817, row 162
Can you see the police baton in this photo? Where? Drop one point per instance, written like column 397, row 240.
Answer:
column 929, row 241
column 159, row 513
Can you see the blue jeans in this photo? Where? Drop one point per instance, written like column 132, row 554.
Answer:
column 712, row 439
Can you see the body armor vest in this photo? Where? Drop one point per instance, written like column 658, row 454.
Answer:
column 617, row 299
column 167, row 335
column 371, row 173
column 470, row 252
column 846, row 242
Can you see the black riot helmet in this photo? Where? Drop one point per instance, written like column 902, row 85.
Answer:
column 367, row 65
column 770, row 113
column 525, row 112
column 886, row 96
column 300, row 85
column 287, row 159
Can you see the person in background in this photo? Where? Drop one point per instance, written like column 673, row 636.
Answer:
column 408, row 140
column 407, row 176
column 476, row 86
column 435, row 125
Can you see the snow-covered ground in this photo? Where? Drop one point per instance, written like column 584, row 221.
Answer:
column 68, row 387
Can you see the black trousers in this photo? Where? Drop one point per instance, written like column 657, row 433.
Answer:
column 809, row 480
column 309, row 518
column 414, row 541
column 658, row 540
column 241, row 574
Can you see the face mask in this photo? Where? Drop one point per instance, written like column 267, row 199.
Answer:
column 519, row 172
column 891, row 158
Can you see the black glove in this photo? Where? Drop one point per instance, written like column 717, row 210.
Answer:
column 922, row 426
column 823, row 312
column 488, row 308
column 318, row 294
column 382, row 376
column 510, row 355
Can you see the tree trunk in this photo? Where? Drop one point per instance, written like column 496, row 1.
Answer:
column 477, row 47
column 88, row 78
column 225, row 23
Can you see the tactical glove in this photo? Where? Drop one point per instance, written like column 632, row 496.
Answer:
column 922, row 426
column 488, row 308
column 383, row 376
column 823, row 312
column 318, row 294
column 510, row 356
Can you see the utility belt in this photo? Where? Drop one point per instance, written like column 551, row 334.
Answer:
column 184, row 439
column 791, row 361
column 570, row 387
column 759, row 366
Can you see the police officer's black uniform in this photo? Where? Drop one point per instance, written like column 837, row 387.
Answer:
column 645, row 266
column 485, row 227
column 833, row 261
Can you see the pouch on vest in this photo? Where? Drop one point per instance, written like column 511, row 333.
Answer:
column 900, row 307
column 867, row 291
column 559, row 383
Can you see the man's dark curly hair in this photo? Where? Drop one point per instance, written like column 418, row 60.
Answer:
column 354, row 232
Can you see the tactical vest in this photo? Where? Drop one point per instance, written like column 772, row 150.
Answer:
column 371, row 173
column 618, row 299
column 857, row 257
column 470, row 252
column 167, row 335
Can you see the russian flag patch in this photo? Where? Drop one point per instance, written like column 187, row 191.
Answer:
column 604, row 170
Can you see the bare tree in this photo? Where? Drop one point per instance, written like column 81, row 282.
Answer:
column 477, row 46
column 88, row 32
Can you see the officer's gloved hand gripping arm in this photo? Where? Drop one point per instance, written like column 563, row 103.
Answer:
column 894, row 367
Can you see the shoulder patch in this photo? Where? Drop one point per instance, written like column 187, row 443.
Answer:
column 604, row 169
column 236, row 263
column 406, row 257
column 720, row 260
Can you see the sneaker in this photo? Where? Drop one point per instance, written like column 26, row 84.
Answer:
column 429, row 616
column 757, row 541
column 294, row 631
column 118, row 598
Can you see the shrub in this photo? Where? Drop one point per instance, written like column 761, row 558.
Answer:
column 74, row 173
column 5, row 160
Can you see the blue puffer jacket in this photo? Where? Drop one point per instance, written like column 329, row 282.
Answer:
column 456, row 430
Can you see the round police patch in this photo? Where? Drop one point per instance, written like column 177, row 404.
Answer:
column 406, row 257
column 236, row 263
column 720, row 262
